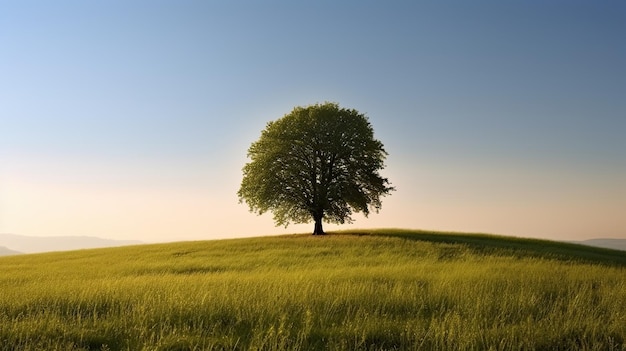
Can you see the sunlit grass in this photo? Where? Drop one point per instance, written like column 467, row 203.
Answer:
column 380, row 290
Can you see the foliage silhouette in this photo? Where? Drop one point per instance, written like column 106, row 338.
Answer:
column 319, row 162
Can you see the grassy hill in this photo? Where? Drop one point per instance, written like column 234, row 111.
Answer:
column 371, row 290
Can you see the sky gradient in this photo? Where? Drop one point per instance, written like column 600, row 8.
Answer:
column 131, row 119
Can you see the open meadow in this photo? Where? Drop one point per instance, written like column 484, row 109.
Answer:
column 372, row 290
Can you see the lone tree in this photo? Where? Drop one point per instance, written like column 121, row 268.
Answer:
column 318, row 162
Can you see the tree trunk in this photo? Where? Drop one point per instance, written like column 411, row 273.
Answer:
column 318, row 226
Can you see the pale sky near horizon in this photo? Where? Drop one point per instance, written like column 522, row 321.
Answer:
column 131, row 119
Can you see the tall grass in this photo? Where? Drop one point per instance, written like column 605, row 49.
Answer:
column 379, row 291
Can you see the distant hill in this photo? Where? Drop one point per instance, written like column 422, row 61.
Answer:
column 615, row 244
column 8, row 252
column 34, row 244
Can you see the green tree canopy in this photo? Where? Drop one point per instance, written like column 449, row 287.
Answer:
column 319, row 162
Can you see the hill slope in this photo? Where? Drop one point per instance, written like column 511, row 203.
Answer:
column 374, row 290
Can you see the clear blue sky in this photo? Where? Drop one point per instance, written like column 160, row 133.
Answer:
column 131, row 119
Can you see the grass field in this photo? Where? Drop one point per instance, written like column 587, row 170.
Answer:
column 374, row 290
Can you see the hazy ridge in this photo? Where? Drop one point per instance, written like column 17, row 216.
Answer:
column 615, row 244
column 4, row 251
column 11, row 244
